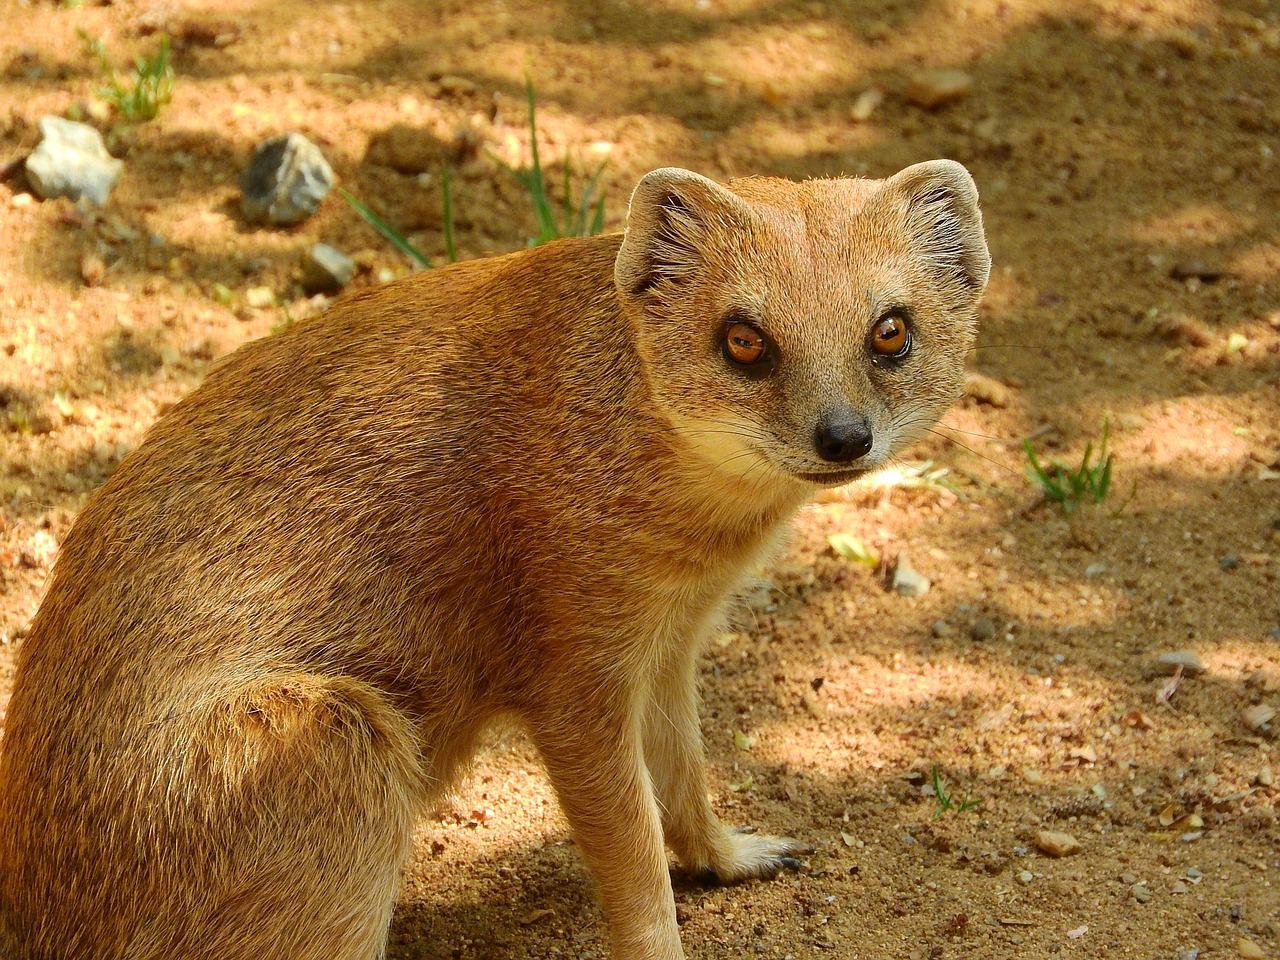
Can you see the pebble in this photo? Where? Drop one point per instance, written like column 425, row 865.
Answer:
column 867, row 102
column 409, row 150
column 907, row 581
column 1186, row 332
column 1025, row 876
column 987, row 390
column 72, row 161
column 286, row 180
column 259, row 297
column 1257, row 716
column 1228, row 561
column 937, row 88
column 1057, row 844
column 983, row 629
column 1265, row 778
column 1140, row 893
column 941, row 629
column 1247, row 948
column 92, row 269
column 326, row 270
column 1168, row 663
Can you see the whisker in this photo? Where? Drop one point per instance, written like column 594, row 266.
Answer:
column 971, row 433
column 982, row 456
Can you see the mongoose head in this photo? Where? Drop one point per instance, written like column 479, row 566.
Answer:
column 804, row 332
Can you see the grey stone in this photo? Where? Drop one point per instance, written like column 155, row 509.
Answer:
column 983, row 629
column 908, row 581
column 326, row 270
column 72, row 161
column 286, row 180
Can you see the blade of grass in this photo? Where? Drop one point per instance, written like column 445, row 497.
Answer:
column 394, row 236
column 449, row 249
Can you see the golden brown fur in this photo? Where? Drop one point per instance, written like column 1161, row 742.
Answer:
column 524, row 486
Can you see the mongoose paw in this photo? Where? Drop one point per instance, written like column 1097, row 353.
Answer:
column 747, row 855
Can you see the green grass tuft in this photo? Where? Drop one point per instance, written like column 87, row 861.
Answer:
column 581, row 218
column 946, row 801
column 147, row 88
column 1070, row 488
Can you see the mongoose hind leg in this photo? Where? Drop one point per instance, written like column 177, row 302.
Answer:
column 314, row 783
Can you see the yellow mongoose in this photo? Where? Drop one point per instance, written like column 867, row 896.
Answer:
column 524, row 486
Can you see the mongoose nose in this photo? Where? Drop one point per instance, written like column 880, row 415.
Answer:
column 843, row 439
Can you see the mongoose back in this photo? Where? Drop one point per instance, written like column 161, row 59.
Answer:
column 525, row 487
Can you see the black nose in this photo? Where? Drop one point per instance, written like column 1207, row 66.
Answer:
column 842, row 439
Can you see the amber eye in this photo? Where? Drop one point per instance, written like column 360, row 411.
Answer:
column 745, row 344
column 890, row 337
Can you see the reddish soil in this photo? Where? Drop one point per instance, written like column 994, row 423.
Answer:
column 1126, row 157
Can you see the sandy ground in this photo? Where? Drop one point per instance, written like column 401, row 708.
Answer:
column 1126, row 156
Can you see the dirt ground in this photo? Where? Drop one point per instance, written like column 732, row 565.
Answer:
column 1126, row 157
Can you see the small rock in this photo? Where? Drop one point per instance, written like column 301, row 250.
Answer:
column 259, row 297
column 936, row 88
column 92, row 269
column 907, row 581
column 1250, row 950
column 286, row 180
column 72, row 161
column 1095, row 569
column 1228, row 561
column 409, row 150
column 867, row 102
column 987, row 390
column 941, row 629
column 983, row 629
column 1262, row 680
column 1168, row 663
column 1197, row 269
column 1025, row 876
column 1140, row 893
column 1257, row 716
column 1057, row 844
column 1265, row 778
column 326, row 270
column 1130, row 421
column 1185, row 332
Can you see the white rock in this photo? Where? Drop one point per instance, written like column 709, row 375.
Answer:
column 72, row 161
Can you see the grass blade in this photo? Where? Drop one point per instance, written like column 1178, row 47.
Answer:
column 394, row 236
column 449, row 249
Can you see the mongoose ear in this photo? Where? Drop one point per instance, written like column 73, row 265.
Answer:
column 943, row 219
column 671, row 216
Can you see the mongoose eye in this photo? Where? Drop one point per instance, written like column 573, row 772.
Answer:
column 744, row 345
column 890, row 337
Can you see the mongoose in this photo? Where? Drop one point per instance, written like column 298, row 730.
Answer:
column 525, row 486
